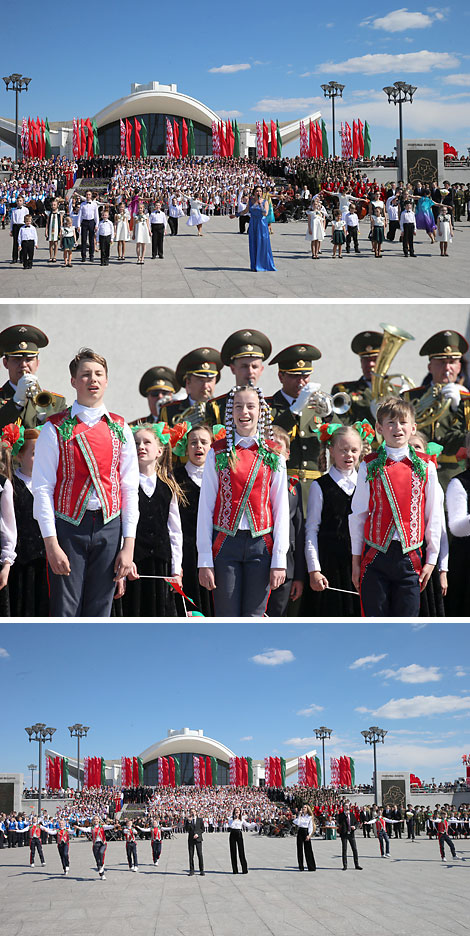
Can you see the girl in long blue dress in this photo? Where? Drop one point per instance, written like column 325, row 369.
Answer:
column 261, row 257
column 424, row 215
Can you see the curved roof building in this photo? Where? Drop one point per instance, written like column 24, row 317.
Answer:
column 153, row 103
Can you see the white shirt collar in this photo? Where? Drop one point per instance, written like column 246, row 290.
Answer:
column 396, row 454
column 89, row 414
column 245, row 441
column 28, row 481
column 195, row 472
column 338, row 475
column 290, row 399
column 148, row 483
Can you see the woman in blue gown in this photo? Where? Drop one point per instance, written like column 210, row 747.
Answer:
column 261, row 257
column 424, row 215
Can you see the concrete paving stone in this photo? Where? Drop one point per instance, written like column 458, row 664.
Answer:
column 413, row 893
column 216, row 266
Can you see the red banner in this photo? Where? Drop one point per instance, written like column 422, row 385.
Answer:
column 171, row 771
column 208, row 772
column 184, row 138
column 176, row 140
column 265, row 139
column 128, row 138
column 223, row 145
column 202, row 772
column 137, row 144
column 360, row 130
column 166, row 773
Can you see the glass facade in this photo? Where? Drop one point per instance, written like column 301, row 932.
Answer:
column 110, row 135
column 187, row 772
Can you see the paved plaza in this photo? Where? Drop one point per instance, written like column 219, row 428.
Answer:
column 413, row 893
column 217, row 266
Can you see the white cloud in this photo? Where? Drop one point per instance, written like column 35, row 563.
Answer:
column 414, row 673
column 273, row 657
column 462, row 79
column 289, row 105
column 412, row 757
column 230, row 69
column 229, row 114
column 399, row 21
column 367, row 660
column 459, row 671
column 299, row 742
column 247, row 737
column 381, row 62
column 311, row 709
column 362, row 709
column 419, row 706
column 4, row 653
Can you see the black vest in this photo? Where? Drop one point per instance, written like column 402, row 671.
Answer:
column 333, row 533
column 30, row 544
column 152, row 537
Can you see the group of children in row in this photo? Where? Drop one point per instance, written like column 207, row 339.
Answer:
column 220, row 523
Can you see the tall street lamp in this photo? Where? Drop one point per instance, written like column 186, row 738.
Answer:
column 333, row 90
column 17, row 84
column 320, row 734
column 41, row 734
column 372, row 736
column 78, row 731
column 399, row 93
column 32, row 768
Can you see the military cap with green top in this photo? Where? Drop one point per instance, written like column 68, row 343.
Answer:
column 158, row 378
column 247, row 342
column 202, row 362
column 296, row 359
column 20, row 340
column 445, row 344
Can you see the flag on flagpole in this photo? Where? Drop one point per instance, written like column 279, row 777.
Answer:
column 170, row 148
column 143, row 137
column 137, row 143
column 128, row 138
column 176, row 140
column 324, row 140
column 236, row 147
column 279, row 140
column 259, row 139
column 96, row 142
column 184, row 138
column 367, row 141
column 191, row 140
column 122, row 128
column 360, row 127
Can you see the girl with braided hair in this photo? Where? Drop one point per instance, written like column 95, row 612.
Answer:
column 158, row 548
column 243, row 516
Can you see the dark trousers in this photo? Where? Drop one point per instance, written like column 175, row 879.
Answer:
column 192, row 844
column 63, row 849
column 16, row 228
column 305, row 848
column 366, row 830
column 349, row 837
column 35, row 845
column 384, row 841
column 444, row 838
column 352, row 235
column 173, row 223
column 236, row 842
column 105, row 246
column 2, row 838
column 87, row 230
column 27, row 254
column 410, row 827
column 99, row 851
column 12, row 838
column 156, row 850
column 279, row 600
column 398, row 830
column 390, row 585
column 243, row 222
column 91, row 549
column 408, row 235
column 393, row 227
column 131, row 852
column 242, row 569
column 158, row 233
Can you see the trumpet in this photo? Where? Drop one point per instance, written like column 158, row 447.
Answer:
column 324, row 404
column 43, row 402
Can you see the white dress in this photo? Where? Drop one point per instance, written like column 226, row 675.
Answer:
column 316, row 223
column 195, row 216
column 443, row 229
column 122, row 227
column 141, row 231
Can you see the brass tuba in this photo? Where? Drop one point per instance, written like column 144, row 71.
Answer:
column 382, row 382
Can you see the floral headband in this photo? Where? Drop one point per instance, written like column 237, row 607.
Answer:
column 161, row 431
column 365, row 430
column 180, row 445
column 12, row 437
column 326, row 431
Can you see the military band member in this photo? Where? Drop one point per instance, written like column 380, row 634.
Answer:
column 158, row 385
column 445, row 350
column 295, row 365
column 245, row 352
column 367, row 346
column 198, row 372
column 19, row 346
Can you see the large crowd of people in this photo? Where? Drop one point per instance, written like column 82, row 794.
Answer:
column 171, row 485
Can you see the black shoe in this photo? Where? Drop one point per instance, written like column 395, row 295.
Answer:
column 301, row 869
column 202, row 873
column 357, row 251
column 191, row 873
column 245, row 872
column 346, row 868
column 358, row 868
column 83, row 259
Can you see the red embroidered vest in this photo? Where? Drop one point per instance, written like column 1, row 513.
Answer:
column 156, row 835
column 89, row 459
column 98, row 834
column 63, row 836
column 396, row 502
column 35, row 832
column 244, row 490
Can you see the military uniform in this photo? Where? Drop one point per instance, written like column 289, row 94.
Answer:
column 450, row 428
column 160, row 381
column 365, row 344
column 245, row 343
column 19, row 341
column 304, row 443
column 202, row 362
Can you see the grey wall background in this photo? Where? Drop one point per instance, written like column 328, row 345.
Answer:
column 133, row 337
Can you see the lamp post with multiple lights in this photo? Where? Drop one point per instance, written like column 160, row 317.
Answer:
column 32, row 768
column 41, row 734
column 399, row 93
column 320, row 734
column 78, row 731
column 17, row 84
column 374, row 735
column 331, row 91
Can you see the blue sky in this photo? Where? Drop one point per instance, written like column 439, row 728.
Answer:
column 249, row 61
column 261, row 689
